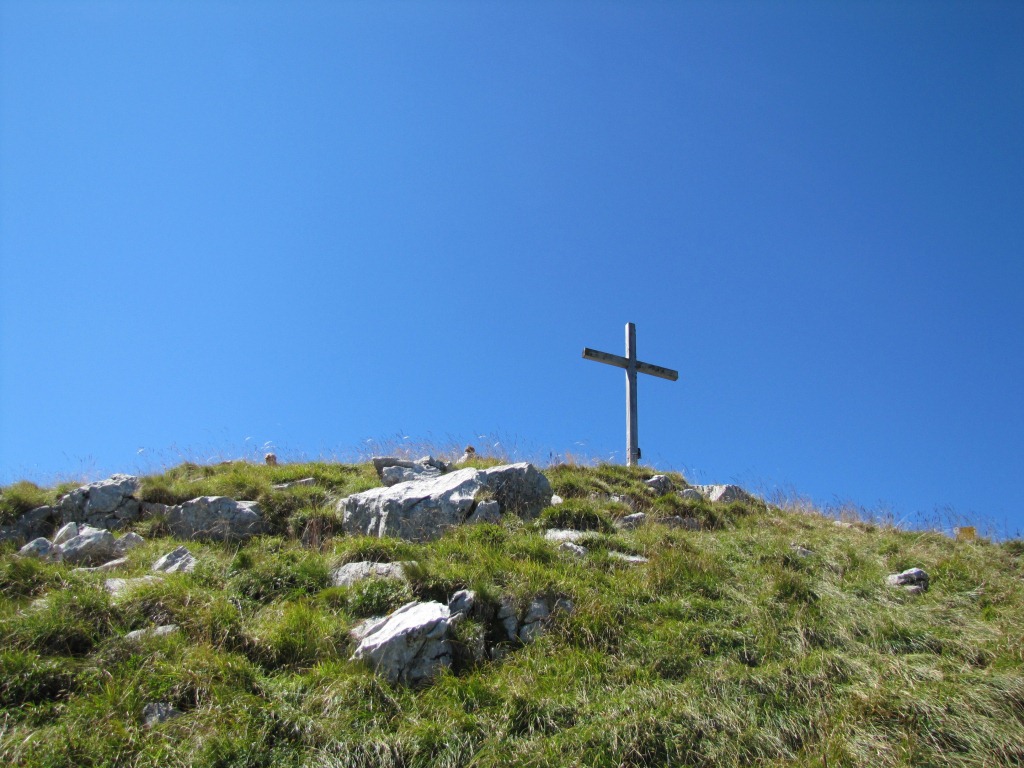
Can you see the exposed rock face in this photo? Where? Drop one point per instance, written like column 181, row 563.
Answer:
column 913, row 580
column 425, row 509
column 410, row 646
column 351, row 573
column 179, row 560
column 392, row 470
column 90, row 546
column 215, row 518
column 107, row 504
column 66, row 533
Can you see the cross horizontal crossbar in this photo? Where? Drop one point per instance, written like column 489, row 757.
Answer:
column 622, row 362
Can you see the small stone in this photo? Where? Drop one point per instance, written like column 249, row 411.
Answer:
column 158, row 712
column 556, row 500
column 113, row 565
column 410, row 645
column 91, row 545
column 560, row 535
column 179, row 560
column 801, row 551
column 508, row 619
column 534, row 620
column 66, row 533
column 723, row 493
column 118, row 587
column 686, row 523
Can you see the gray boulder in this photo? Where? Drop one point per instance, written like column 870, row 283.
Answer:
column 90, row 546
column 534, row 620
column 629, row 522
column 128, row 542
column 67, row 532
column 691, row 494
column 409, row 646
column 179, row 560
column 423, row 510
column 216, row 518
column 352, row 573
column 107, row 504
column 573, row 549
column 157, row 712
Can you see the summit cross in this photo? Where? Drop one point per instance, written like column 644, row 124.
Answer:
column 633, row 367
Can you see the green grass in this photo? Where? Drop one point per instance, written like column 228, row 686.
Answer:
column 727, row 648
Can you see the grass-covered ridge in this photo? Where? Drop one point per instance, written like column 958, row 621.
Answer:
column 727, row 648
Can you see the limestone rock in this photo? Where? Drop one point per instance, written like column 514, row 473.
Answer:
column 686, row 523
column 913, row 580
column 659, row 484
column 627, row 558
column 351, row 573
column 106, row 504
column 91, row 545
column 723, row 493
column 179, row 560
column 409, row 646
column 216, row 518
column 556, row 500
column 573, row 549
column 392, row 470
column 423, row 510
column 486, row 512
column 558, row 535
column 462, row 603
column 113, row 565
column 802, row 551
column 508, row 618
column 691, row 494
column 37, row 522
column 534, row 619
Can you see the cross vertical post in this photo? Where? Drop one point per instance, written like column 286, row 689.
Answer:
column 632, row 367
column 632, row 430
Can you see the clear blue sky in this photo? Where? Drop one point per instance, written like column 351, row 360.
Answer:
column 317, row 224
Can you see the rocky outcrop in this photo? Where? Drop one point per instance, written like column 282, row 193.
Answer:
column 409, row 646
column 723, row 493
column 92, row 546
column 107, row 504
column 659, row 485
column 34, row 524
column 215, row 518
column 424, row 509
column 392, row 470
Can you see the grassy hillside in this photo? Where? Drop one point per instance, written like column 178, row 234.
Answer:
column 727, row 648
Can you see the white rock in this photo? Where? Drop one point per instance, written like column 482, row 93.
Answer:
column 179, row 560
column 113, row 565
column 67, row 531
column 91, row 545
column 303, row 483
column 411, row 645
column 559, row 535
column 556, row 500
column 801, row 551
column 691, row 494
column 723, row 493
column 216, row 518
column 106, row 503
column 393, row 470
column 462, row 603
column 142, row 634
column 351, row 573
column 423, row 510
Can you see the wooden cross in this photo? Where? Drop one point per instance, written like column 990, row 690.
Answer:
column 633, row 367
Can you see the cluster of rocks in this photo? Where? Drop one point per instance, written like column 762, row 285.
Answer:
column 412, row 644
column 433, row 500
column 83, row 544
column 662, row 484
column 112, row 504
